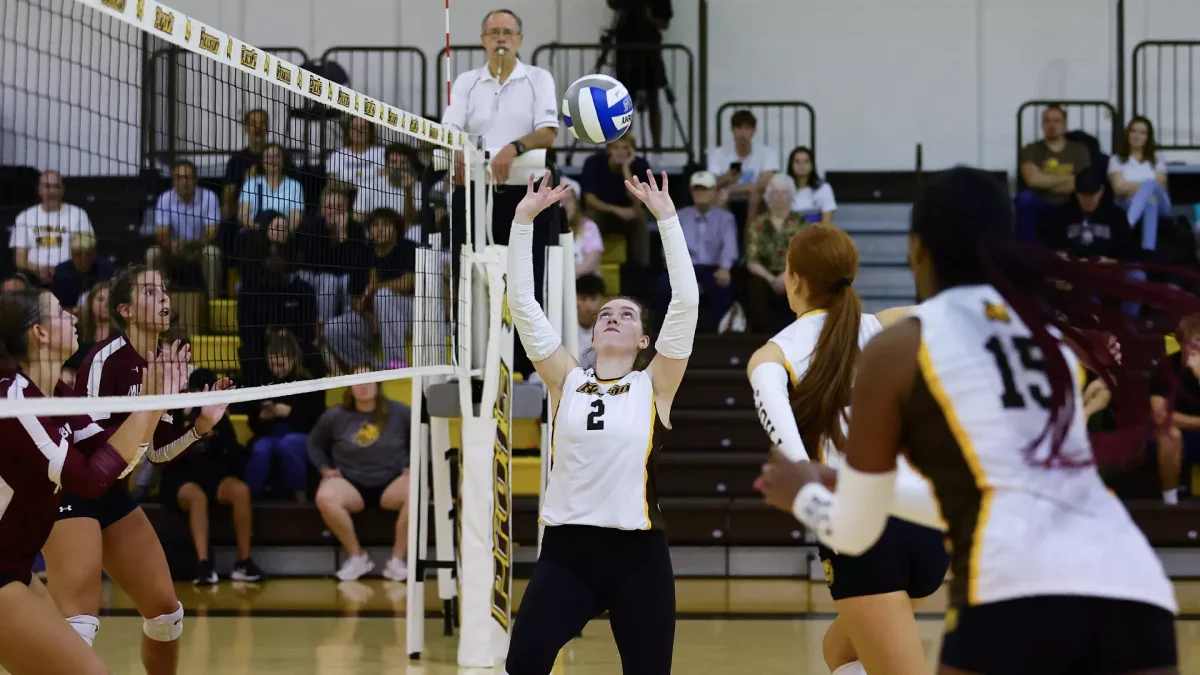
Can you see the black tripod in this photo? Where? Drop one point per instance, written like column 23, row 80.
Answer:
column 608, row 42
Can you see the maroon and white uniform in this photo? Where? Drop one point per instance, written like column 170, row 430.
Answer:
column 114, row 368
column 40, row 456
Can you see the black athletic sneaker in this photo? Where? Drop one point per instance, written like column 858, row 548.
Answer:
column 205, row 574
column 246, row 570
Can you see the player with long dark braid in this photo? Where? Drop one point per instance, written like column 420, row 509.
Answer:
column 1051, row 575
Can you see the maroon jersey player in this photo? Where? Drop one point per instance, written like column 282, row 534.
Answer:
column 40, row 457
column 111, row 532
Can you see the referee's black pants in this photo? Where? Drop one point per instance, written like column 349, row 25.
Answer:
column 504, row 205
column 584, row 571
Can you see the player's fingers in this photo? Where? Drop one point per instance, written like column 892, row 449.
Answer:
column 664, row 181
column 651, row 184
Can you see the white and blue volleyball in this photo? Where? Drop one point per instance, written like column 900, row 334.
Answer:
column 597, row 109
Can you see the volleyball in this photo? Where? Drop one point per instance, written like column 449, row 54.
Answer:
column 597, row 109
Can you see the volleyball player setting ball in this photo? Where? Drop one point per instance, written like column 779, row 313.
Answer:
column 874, row 592
column 604, row 547
column 110, row 531
column 1051, row 575
column 44, row 455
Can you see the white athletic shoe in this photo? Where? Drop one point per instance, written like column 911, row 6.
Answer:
column 396, row 570
column 355, row 567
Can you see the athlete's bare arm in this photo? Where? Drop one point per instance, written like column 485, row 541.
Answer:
column 894, row 315
column 886, row 369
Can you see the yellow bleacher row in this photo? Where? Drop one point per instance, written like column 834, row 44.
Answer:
column 220, row 350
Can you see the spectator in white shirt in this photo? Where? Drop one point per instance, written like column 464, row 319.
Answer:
column 359, row 160
column 589, row 245
column 395, row 185
column 743, row 168
column 814, row 197
column 186, row 219
column 1139, row 180
column 272, row 191
column 41, row 235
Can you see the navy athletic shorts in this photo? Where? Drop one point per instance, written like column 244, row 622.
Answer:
column 908, row 557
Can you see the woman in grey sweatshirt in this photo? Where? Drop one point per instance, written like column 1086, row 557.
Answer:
column 361, row 450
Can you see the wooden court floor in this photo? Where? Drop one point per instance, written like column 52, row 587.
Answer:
column 318, row 626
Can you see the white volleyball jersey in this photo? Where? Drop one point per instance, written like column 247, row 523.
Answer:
column 1018, row 526
column 606, row 437
column 799, row 340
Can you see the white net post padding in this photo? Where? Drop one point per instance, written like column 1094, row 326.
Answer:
column 418, row 533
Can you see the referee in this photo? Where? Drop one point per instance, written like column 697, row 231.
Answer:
column 512, row 108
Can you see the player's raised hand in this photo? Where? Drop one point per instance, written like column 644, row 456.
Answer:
column 211, row 414
column 656, row 198
column 538, row 199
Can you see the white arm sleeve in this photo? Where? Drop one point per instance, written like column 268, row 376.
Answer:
column 770, row 383
column 914, row 499
column 679, row 326
column 535, row 330
column 851, row 521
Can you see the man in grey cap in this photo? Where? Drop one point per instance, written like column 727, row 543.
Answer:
column 711, row 234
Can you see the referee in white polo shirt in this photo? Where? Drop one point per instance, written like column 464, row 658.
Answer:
column 513, row 108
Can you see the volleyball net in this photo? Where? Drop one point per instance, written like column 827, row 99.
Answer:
column 302, row 233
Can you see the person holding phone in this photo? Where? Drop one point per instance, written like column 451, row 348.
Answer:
column 743, row 168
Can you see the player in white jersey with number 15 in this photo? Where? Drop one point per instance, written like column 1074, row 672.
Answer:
column 1050, row 574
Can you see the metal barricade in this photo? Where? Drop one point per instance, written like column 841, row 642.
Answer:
column 1164, row 91
column 635, row 66
column 783, row 125
column 462, row 59
column 1098, row 118
column 196, row 105
column 394, row 75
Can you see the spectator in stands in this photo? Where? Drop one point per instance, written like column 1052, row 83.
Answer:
column 15, row 283
column 814, row 197
column 589, row 245
column 382, row 295
column 41, row 235
column 608, row 202
column 209, row 472
column 1138, row 176
column 767, row 240
column 247, row 162
column 589, row 297
column 272, row 295
column 94, row 324
column 281, row 425
column 711, row 234
column 361, row 449
column 1088, row 226
column 360, row 158
column 75, row 277
column 395, row 185
column 186, row 219
column 1048, row 167
column 272, row 191
column 743, row 168
column 332, row 249
column 1177, row 435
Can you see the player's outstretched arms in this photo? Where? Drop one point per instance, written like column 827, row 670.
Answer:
column 543, row 345
column 674, row 344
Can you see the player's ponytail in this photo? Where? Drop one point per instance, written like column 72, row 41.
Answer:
column 826, row 259
column 19, row 312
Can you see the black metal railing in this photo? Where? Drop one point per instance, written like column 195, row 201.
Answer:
column 636, row 67
column 175, row 126
column 395, row 75
column 462, row 59
column 1165, row 92
column 1098, row 118
column 783, row 125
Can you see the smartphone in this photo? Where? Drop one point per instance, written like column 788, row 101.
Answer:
column 736, row 167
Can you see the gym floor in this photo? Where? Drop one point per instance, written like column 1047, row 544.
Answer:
column 320, row 626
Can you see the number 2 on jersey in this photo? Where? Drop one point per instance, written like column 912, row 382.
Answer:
column 1031, row 361
column 595, row 419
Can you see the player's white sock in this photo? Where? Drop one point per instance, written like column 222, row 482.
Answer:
column 1171, row 496
column 852, row 668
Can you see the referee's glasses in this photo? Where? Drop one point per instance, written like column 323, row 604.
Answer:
column 502, row 32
